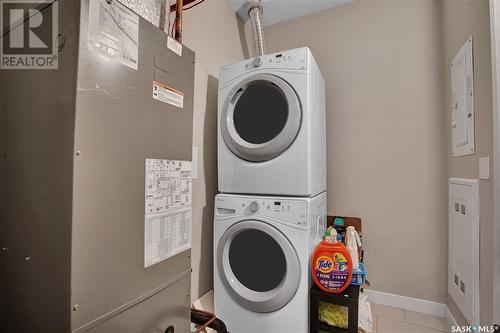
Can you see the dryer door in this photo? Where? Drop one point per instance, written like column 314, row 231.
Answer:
column 258, row 266
column 260, row 118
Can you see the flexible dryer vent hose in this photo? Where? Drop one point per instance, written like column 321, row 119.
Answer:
column 255, row 11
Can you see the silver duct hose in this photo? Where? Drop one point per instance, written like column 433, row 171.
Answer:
column 255, row 11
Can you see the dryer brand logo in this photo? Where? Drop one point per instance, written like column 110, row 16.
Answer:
column 324, row 264
column 29, row 34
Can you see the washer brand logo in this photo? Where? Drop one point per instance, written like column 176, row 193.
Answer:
column 324, row 264
column 29, row 34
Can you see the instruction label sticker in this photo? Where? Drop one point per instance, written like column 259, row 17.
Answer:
column 167, row 217
column 174, row 46
column 114, row 32
column 169, row 95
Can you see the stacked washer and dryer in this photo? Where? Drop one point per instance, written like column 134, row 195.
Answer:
column 272, row 177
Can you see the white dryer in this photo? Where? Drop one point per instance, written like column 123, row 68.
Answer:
column 262, row 248
column 271, row 126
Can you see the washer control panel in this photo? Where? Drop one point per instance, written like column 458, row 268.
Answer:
column 289, row 211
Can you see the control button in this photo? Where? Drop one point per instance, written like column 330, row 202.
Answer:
column 253, row 207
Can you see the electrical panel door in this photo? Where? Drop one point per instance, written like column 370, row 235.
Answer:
column 463, row 243
column 462, row 101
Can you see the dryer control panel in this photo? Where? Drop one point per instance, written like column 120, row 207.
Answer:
column 287, row 211
column 297, row 60
column 286, row 59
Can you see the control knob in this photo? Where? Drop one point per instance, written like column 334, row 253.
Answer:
column 253, row 207
column 257, row 62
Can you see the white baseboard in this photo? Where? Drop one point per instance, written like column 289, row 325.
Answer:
column 408, row 303
column 448, row 315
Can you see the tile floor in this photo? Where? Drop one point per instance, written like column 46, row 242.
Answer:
column 393, row 320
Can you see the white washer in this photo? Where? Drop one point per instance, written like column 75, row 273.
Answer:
column 271, row 126
column 262, row 248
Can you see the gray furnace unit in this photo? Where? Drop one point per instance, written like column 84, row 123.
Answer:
column 95, row 187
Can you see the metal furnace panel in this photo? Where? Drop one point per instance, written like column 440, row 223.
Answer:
column 118, row 126
column 36, row 166
column 168, row 307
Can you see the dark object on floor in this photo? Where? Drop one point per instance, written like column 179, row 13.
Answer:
column 207, row 319
column 349, row 298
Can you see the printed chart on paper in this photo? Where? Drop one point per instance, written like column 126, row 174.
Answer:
column 167, row 229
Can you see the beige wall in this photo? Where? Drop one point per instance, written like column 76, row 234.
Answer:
column 462, row 19
column 387, row 161
column 212, row 30
column 385, row 64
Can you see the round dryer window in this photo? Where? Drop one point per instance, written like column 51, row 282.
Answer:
column 260, row 117
column 258, row 265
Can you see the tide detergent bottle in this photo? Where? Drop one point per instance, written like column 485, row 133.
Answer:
column 331, row 264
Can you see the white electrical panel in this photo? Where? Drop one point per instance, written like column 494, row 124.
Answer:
column 463, row 246
column 462, row 101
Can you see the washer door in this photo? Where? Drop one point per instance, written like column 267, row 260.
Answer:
column 260, row 118
column 258, row 265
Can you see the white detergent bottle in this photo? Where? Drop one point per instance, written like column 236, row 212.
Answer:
column 352, row 243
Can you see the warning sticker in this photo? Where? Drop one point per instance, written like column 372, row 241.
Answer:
column 174, row 45
column 166, row 94
column 114, row 32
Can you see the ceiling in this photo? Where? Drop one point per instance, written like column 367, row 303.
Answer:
column 276, row 11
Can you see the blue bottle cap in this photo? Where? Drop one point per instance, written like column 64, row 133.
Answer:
column 338, row 221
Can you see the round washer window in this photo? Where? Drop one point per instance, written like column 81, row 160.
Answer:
column 258, row 265
column 261, row 112
column 257, row 260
